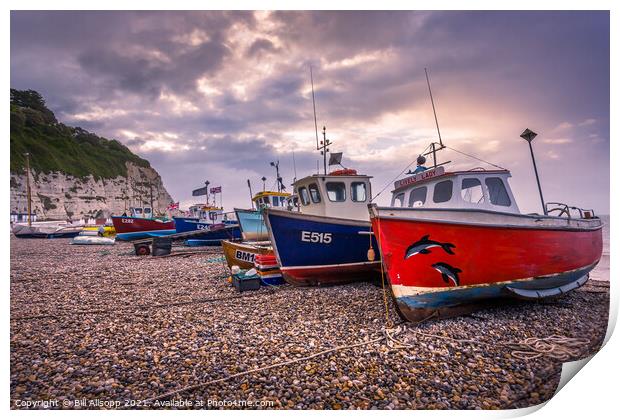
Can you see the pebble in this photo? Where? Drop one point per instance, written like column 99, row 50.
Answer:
column 92, row 324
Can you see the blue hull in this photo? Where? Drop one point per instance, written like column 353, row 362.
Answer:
column 134, row 236
column 273, row 281
column 252, row 224
column 458, row 300
column 315, row 250
column 214, row 237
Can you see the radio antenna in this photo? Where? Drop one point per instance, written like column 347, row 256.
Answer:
column 316, row 129
column 433, row 103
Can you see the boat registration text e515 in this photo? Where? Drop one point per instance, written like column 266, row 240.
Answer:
column 316, row 237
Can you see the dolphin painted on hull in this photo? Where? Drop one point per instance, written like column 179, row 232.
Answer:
column 424, row 244
column 448, row 273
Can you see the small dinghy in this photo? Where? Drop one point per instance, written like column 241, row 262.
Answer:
column 92, row 240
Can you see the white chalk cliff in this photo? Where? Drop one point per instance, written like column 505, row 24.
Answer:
column 60, row 196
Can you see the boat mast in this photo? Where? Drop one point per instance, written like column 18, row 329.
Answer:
column 251, row 195
column 430, row 92
column 316, row 130
column 207, row 193
column 322, row 146
column 434, row 148
column 28, row 192
column 151, row 191
column 278, row 178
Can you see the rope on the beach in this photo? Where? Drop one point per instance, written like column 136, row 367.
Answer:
column 556, row 347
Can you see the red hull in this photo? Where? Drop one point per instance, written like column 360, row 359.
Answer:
column 329, row 276
column 435, row 266
column 126, row 224
column 483, row 254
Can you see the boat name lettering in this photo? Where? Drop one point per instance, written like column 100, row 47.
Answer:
column 316, row 237
column 127, row 220
column 244, row 256
column 202, row 227
column 431, row 173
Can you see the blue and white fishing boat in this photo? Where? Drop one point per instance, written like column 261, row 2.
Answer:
column 213, row 221
column 252, row 223
column 330, row 240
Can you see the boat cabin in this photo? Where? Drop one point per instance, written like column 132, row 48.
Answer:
column 275, row 199
column 478, row 189
column 141, row 212
column 208, row 213
column 341, row 193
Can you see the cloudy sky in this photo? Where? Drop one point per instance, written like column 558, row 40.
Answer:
column 217, row 95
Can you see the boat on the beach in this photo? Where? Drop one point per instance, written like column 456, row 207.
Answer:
column 92, row 240
column 252, row 222
column 328, row 240
column 47, row 230
column 243, row 254
column 450, row 240
column 141, row 225
column 210, row 219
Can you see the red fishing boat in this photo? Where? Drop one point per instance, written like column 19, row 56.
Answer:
column 140, row 224
column 452, row 239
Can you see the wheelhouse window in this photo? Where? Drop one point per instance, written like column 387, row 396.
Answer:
column 471, row 191
column 442, row 192
column 417, row 197
column 336, row 191
column 497, row 191
column 398, row 200
column 314, row 193
column 303, row 196
column 358, row 191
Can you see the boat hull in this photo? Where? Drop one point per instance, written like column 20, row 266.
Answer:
column 442, row 268
column 134, row 228
column 318, row 251
column 252, row 225
column 242, row 254
column 46, row 230
column 39, row 235
column 92, row 240
column 209, row 237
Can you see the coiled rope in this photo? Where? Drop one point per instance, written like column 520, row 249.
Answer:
column 555, row 347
